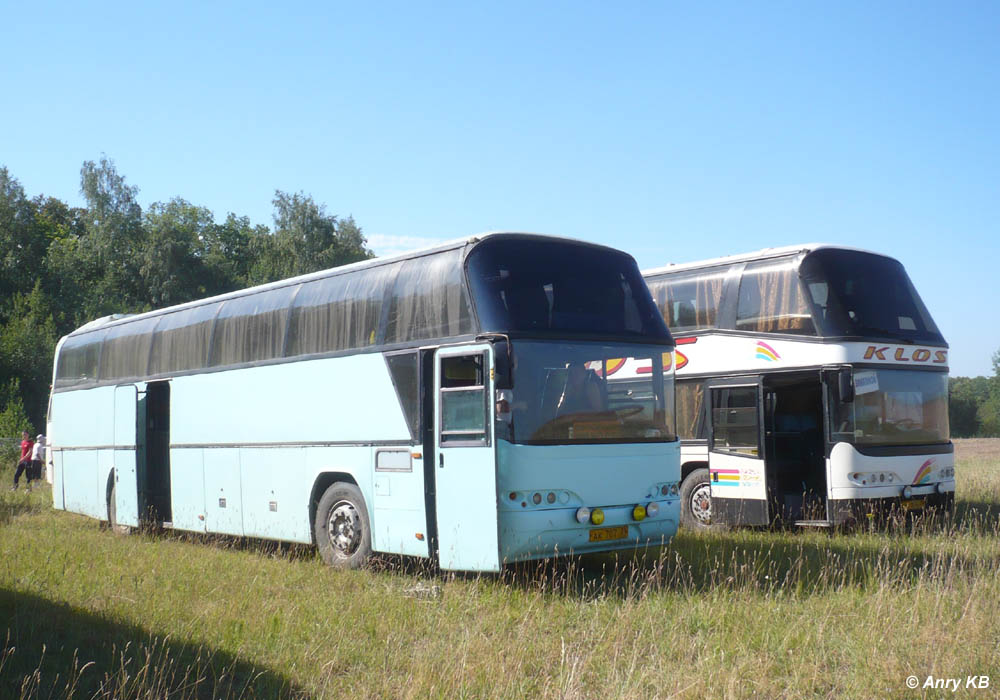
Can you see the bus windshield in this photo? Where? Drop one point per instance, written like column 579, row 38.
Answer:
column 894, row 407
column 556, row 288
column 589, row 393
column 860, row 294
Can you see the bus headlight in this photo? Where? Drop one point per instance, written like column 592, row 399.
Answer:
column 652, row 510
column 639, row 513
column 597, row 516
column 582, row 514
column 673, row 489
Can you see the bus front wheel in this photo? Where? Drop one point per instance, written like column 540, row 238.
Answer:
column 696, row 500
column 342, row 528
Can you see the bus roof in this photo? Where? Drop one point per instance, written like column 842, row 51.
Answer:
column 119, row 319
column 761, row 254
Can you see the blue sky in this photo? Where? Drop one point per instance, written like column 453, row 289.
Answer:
column 675, row 131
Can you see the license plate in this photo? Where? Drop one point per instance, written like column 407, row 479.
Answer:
column 603, row 534
column 912, row 504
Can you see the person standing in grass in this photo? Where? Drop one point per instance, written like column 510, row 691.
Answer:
column 37, row 459
column 24, row 465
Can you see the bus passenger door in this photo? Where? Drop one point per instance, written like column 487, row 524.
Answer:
column 466, row 470
column 126, row 485
column 736, row 458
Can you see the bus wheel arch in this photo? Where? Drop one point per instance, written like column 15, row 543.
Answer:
column 696, row 497
column 341, row 526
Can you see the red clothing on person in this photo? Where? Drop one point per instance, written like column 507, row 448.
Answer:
column 26, row 446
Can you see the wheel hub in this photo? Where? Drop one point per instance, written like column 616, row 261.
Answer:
column 344, row 528
column 701, row 504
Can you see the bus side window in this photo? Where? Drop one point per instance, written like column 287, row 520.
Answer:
column 463, row 401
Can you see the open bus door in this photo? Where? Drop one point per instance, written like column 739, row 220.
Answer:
column 466, row 467
column 126, row 491
column 737, row 470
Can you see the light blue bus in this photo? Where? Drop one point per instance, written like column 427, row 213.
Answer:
column 454, row 404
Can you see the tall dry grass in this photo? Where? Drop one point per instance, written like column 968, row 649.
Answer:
column 739, row 614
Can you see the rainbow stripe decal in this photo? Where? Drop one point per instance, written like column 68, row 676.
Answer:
column 725, row 477
column 766, row 352
column 682, row 359
column 613, row 366
column 924, row 473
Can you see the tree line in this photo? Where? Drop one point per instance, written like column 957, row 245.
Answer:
column 62, row 266
column 974, row 404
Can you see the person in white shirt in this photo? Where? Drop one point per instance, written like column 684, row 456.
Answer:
column 37, row 458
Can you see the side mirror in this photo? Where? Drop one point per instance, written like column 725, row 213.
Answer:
column 845, row 385
column 504, row 376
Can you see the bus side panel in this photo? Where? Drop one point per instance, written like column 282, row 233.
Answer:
column 223, row 493
column 58, row 502
column 84, row 418
column 187, row 489
column 342, row 399
column 276, row 488
column 80, row 482
column 399, row 506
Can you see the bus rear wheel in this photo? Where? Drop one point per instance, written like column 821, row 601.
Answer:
column 696, row 500
column 342, row 528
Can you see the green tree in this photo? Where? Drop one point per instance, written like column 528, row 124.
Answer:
column 171, row 263
column 306, row 239
column 965, row 396
column 989, row 409
column 22, row 240
column 27, row 345
column 111, row 248
column 228, row 250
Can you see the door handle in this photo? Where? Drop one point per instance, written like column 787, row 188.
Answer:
column 440, row 461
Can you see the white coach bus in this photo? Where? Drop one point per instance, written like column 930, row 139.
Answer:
column 812, row 388
column 450, row 404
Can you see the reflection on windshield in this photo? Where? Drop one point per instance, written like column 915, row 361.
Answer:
column 590, row 392
column 894, row 407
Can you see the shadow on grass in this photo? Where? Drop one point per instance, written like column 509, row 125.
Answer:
column 52, row 650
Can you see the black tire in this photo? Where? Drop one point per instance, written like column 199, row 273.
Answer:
column 342, row 529
column 696, row 500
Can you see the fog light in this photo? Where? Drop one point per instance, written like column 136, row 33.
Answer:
column 939, row 488
column 582, row 514
column 597, row 516
column 652, row 510
column 907, row 492
column 639, row 513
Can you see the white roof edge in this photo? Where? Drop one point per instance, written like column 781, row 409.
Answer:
column 113, row 319
column 754, row 255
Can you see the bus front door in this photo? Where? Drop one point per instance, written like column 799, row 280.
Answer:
column 466, row 469
column 735, row 459
column 126, row 491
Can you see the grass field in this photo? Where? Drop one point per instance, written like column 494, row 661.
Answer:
column 86, row 613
